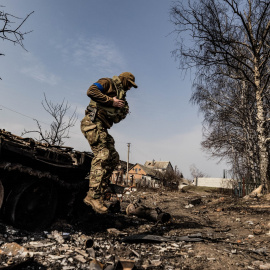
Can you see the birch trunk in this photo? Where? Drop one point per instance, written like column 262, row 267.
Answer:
column 263, row 153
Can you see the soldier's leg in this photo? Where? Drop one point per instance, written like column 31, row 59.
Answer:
column 110, row 163
column 93, row 133
column 105, row 160
column 98, row 171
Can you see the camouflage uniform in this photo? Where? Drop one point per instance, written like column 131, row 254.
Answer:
column 100, row 116
column 105, row 158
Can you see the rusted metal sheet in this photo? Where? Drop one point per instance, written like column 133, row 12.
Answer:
column 30, row 170
column 153, row 214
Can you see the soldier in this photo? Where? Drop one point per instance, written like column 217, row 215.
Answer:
column 108, row 105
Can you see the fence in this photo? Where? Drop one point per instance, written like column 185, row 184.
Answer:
column 246, row 186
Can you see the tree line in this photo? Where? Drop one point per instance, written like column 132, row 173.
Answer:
column 228, row 46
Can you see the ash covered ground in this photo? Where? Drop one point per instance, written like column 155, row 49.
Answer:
column 207, row 230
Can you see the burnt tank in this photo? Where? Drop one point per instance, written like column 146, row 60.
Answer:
column 38, row 180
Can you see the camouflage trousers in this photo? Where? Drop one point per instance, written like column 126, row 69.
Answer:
column 105, row 158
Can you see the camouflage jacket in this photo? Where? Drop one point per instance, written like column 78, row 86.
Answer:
column 101, row 94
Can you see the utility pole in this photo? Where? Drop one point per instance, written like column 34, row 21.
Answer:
column 128, row 144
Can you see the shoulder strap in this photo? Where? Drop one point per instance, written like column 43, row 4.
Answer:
column 121, row 93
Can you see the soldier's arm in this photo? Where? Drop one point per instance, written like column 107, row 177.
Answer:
column 98, row 90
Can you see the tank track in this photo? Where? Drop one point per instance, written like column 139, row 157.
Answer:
column 7, row 167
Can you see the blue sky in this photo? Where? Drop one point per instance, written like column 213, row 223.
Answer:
column 73, row 44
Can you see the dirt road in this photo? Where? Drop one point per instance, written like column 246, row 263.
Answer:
column 207, row 231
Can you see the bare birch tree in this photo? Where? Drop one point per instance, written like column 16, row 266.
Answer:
column 230, row 45
column 230, row 130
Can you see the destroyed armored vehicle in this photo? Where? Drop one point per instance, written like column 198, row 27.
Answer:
column 37, row 180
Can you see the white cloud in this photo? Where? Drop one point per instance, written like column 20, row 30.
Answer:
column 97, row 52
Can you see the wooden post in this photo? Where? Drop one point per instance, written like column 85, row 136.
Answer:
column 128, row 144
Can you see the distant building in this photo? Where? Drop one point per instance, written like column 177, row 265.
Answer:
column 143, row 176
column 161, row 166
column 146, row 175
column 119, row 174
column 214, row 182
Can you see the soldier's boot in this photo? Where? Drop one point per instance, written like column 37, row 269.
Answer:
column 97, row 205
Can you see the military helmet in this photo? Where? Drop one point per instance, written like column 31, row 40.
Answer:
column 130, row 77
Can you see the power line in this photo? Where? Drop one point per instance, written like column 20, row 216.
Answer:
column 23, row 114
column 28, row 116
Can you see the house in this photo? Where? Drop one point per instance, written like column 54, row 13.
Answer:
column 141, row 175
column 162, row 166
column 119, row 174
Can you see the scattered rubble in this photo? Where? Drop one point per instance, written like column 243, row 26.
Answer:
column 197, row 237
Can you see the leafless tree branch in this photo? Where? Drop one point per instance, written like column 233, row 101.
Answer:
column 60, row 126
column 10, row 28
